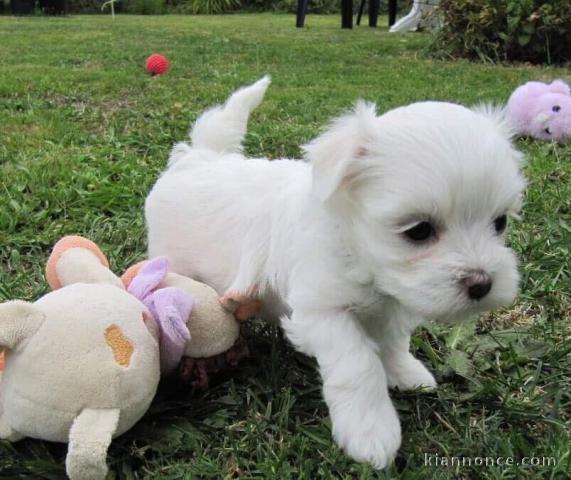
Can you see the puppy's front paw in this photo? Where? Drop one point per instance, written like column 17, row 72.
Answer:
column 408, row 374
column 372, row 436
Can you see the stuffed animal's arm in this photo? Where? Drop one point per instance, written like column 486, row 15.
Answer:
column 18, row 321
column 78, row 260
column 89, row 439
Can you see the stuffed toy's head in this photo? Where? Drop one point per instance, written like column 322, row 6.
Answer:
column 214, row 323
column 542, row 110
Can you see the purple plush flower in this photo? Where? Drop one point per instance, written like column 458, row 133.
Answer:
column 169, row 306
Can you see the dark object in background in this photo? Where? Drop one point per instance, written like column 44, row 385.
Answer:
column 23, row 7
column 392, row 12
column 54, row 7
column 347, row 12
column 301, row 9
column 374, row 6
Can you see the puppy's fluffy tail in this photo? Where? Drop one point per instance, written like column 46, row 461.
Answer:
column 222, row 128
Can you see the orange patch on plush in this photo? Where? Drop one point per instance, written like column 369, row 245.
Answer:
column 2, row 361
column 120, row 345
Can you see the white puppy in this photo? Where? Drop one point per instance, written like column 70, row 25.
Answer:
column 393, row 219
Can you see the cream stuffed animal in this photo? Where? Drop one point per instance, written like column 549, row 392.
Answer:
column 107, row 342
column 82, row 363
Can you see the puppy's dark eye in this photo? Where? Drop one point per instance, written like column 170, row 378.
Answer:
column 420, row 232
column 500, row 223
column 547, row 131
column 556, row 108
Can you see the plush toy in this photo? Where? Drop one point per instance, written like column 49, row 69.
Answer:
column 82, row 363
column 542, row 110
column 214, row 323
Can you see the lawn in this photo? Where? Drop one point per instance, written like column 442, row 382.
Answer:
column 83, row 135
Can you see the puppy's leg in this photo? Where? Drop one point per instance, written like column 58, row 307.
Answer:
column 403, row 370
column 365, row 422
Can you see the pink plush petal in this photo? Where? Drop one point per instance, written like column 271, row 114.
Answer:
column 149, row 277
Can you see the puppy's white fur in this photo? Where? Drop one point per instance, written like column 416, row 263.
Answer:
column 322, row 241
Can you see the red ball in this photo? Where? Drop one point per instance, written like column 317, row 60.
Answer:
column 156, row 64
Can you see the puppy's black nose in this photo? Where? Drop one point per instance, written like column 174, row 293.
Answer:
column 478, row 284
column 480, row 290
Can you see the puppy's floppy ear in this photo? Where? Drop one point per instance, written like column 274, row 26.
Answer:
column 498, row 115
column 337, row 156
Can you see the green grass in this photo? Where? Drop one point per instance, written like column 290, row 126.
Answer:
column 83, row 135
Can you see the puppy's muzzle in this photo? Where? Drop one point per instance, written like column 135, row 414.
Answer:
column 477, row 284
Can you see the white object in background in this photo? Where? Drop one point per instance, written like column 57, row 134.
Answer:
column 111, row 4
column 412, row 20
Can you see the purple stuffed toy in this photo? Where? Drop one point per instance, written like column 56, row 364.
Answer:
column 542, row 110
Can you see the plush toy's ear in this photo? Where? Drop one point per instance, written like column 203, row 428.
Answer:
column 18, row 321
column 559, row 86
column 337, row 156
column 76, row 259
